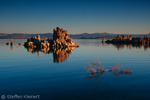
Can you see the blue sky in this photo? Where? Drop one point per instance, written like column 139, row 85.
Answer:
column 77, row 16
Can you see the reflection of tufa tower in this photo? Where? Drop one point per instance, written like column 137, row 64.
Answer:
column 11, row 46
column 11, row 41
column 38, row 53
column 62, row 54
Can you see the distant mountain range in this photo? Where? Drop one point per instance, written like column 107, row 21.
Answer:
column 77, row 36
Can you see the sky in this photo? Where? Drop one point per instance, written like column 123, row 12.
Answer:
column 76, row 16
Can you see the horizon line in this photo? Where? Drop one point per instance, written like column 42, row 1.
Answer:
column 77, row 34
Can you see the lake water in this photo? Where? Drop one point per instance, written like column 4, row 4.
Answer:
column 63, row 76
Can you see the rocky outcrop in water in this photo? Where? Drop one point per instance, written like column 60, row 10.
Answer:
column 61, row 45
column 61, row 39
column 122, row 39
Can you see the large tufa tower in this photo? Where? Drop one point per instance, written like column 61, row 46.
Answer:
column 60, row 34
column 61, row 37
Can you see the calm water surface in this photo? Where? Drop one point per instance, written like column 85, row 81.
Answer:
column 30, row 72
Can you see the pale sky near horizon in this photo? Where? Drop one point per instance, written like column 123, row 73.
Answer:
column 76, row 16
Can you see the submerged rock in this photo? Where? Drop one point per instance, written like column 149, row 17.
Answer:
column 19, row 43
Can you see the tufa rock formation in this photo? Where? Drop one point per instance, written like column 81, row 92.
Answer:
column 61, row 39
column 122, row 39
column 61, row 45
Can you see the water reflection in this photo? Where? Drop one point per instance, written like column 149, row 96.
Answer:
column 97, row 70
column 59, row 55
column 129, row 46
column 11, row 47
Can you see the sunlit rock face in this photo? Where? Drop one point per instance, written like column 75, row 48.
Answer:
column 61, row 39
column 35, row 42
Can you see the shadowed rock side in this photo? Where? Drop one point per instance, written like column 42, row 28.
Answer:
column 59, row 55
column 61, row 39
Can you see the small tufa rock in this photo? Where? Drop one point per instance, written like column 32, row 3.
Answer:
column 7, row 43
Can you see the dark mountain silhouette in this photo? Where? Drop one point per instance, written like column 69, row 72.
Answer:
column 78, row 36
column 24, row 35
